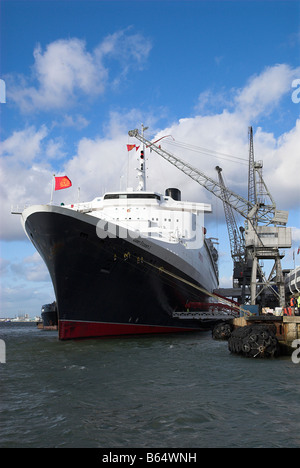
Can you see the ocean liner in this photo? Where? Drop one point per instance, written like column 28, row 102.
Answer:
column 128, row 262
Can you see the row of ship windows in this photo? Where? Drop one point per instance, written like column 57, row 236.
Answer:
column 177, row 220
column 153, row 219
column 165, row 219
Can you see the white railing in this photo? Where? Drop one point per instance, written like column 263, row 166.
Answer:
column 18, row 209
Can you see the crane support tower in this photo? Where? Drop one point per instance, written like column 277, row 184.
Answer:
column 265, row 226
column 236, row 240
column 241, row 263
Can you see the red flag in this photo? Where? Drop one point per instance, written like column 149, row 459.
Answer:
column 130, row 147
column 62, row 183
column 298, row 251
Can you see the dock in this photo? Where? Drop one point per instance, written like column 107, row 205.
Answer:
column 41, row 326
column 287, row 328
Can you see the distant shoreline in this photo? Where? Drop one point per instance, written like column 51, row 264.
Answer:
column 8, row 320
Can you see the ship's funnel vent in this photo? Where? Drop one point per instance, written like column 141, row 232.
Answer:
column 173, row 193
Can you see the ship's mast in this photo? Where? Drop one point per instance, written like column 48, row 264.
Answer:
column 142, row 169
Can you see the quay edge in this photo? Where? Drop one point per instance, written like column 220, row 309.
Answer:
column 287, row 328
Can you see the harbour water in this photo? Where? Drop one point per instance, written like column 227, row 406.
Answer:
column 172, row 391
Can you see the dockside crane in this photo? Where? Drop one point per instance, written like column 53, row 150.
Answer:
column 251, row 172
column 261, row 241
column 237, row 244
column 241, row 263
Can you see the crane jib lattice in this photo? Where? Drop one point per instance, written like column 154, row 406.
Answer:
column 265, row 214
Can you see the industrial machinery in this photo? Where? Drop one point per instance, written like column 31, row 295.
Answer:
column 242, row 264
column 265, row 232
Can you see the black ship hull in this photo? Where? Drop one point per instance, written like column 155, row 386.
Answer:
column 108, row 286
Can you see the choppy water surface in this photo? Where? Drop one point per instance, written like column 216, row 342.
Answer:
column 183, row 391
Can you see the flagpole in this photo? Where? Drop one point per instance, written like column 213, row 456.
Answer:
column 144, row 162
column 127, row 184
column 52, row 189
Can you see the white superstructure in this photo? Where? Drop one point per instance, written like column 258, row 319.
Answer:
column 172, row 229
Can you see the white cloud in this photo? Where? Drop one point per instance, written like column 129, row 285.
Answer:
column 23, row 145
column 226, row 281
column 296, row 235
column 31, row 267
column 260, row 95
column 64, row 66
column 129, row 49
column 24, row 299
column 77, row 121
column 99, row 163
column 227, row 132
column 54, row 148
column 35, row 268
column 210, row 101
column 264, row 91
column 66, row 70
column 25, row 177
column 25, row 284
column 4, row 266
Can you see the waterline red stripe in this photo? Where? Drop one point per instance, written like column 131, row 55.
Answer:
column 71, row 329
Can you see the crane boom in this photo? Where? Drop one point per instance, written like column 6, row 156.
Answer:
column 251, row 173
column 236, row 241
column 266, row 214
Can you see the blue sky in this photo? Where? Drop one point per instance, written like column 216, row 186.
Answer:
column 80, row 74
